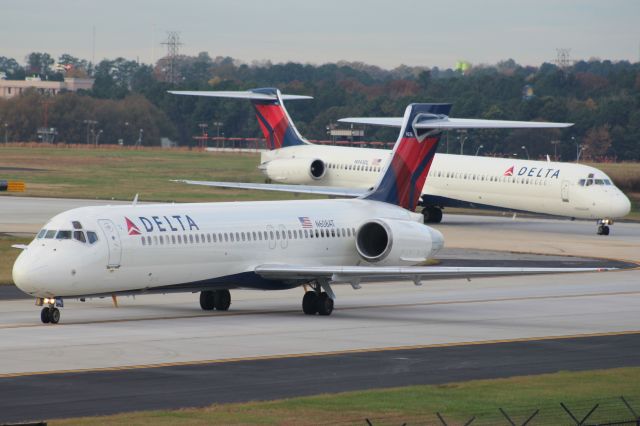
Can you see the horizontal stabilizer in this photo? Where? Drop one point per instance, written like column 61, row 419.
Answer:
column 300, row 189
column 240, row 95
column 446, row 123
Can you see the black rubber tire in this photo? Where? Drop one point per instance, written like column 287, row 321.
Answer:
column 310, row 303
column 605, row 230
column 600, row 230
column 207, row 300
column 54, row 315
column 325, row 304
column 432, row 215
column 436, row 215
column 44, row 315
column 222, row 300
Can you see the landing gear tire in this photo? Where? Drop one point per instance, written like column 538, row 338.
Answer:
column 222, row 300
column 44, row 315
column 310, row 303
column 325, row 304
column 432, row 215
column 207, row 300
column 54, row 315
column 603, row 230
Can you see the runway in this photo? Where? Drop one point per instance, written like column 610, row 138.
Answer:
column 395, row 333
column 108, row 392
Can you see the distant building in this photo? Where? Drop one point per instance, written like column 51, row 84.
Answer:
column 11, row 88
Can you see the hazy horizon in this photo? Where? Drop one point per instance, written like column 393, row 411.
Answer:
column 379, row 33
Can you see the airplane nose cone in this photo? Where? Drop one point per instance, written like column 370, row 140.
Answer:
column 27, row 275
column 437, row 240
column 620, row 205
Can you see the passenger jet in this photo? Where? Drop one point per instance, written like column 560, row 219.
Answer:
column 546, row 187
column 213, row 247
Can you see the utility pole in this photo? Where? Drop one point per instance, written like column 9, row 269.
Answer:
column 555, row 149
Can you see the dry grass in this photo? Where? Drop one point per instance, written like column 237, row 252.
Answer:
column 519, row 396
column 8, row 255
column 626, row 176
column 121, row 173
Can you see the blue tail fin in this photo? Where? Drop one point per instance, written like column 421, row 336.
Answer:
column 402, row 181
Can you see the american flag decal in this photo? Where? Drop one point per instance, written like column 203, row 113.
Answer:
column 305, row 222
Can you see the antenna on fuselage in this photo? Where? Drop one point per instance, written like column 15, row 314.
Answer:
column 135, row 200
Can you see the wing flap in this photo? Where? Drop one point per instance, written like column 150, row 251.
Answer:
column 414, row 273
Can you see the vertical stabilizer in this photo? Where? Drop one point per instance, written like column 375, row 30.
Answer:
column 402, row 181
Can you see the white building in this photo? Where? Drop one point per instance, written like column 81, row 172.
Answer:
column 11, row 88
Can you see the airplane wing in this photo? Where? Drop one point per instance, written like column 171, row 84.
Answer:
column 301, row 189
column 353, row 274
column 447, row 123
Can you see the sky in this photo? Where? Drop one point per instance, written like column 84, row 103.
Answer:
column 384, row 33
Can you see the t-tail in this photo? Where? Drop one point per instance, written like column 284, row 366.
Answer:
column 402, row 181
column 274, row 120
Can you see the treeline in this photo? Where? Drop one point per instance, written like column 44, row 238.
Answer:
column 601, row 97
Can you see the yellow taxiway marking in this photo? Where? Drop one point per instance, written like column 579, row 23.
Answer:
column 312, row 354
column 342, row 309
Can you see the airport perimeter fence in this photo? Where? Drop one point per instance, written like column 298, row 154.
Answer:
column 602, row 412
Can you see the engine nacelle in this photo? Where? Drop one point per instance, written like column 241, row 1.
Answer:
column 392, row 242
column 295, row 170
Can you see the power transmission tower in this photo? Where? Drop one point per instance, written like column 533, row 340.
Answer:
column 563, row 58
column 173, row 48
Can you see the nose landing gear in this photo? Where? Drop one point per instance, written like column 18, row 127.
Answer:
column 603, row 226
column 50, row 313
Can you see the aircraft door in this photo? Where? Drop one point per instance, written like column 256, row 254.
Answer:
column 113, row 242
column 271, row 237
column 284, row 241
column 564, row 191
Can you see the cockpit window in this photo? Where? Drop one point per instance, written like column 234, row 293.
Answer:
column 92, row 237
column 50, row 233
column 607, row 182
column 63, row 235
column 79, row 236
column 76, row 224
column 599, row 182
column 41, row 233
column 581, row 182
column 589, row 182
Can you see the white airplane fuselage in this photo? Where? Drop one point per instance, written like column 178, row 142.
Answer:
column 553, row 188
column 182, row 247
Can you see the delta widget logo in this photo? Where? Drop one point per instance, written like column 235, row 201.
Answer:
column 132, row 228
column 509, row 171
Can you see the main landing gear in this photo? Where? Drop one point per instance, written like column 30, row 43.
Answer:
column 317, row 301
column 50, row 313
column 215, row 299
column 432, row 214
column 603, row 226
